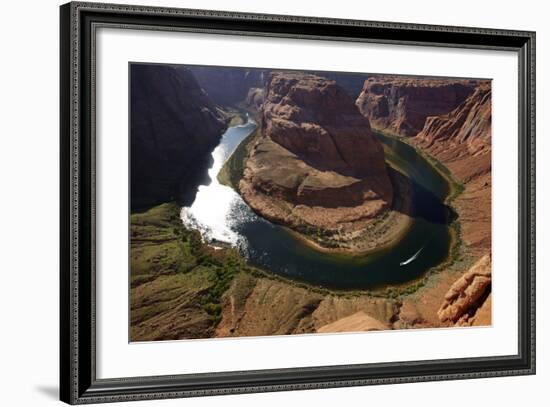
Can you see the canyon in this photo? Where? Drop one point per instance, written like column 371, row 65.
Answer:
column 461, row 140
column 315, row 165
column 451, row 122
column 456, row 131
column 181, row 288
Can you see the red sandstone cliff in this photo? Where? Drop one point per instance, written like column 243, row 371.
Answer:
column 316, row 162
column 464, row 302
column 451, row 121
column 466, row 131
column 462, row 141
column 402, row 104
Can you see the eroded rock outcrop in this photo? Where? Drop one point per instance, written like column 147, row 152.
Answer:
column 468, row 126
column 174, row 128
column 261, row 306
column 467, row 294
column 402, row 104
column 358, row 322
column 316, row 163
column 461, row 140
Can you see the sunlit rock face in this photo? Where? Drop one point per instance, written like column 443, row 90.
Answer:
column 317, row 161
column 467, row 294
column 174, row 128
column 461, row 140
column 402, row 104
column 469, row 125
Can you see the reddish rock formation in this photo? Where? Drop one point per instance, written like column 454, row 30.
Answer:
column 482, row 316
column 467, row 127
column 315, row 119
column 447, row 301
column 402, row 104
column 358, row 322
column 467, row 294
column 316, row 162
column 462, row 141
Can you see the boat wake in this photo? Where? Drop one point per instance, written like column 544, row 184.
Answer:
column 412, row 258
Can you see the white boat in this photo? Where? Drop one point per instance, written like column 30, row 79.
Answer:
column 414, row 256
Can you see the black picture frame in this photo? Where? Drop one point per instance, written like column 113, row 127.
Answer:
column 78, row 382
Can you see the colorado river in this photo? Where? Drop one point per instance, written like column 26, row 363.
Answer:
column 221, row 215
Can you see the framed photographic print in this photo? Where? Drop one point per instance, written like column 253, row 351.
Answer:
column 256, row 203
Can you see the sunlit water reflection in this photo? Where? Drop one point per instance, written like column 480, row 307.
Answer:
column 215, row 211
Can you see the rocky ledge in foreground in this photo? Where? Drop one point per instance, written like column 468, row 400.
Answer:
column 468, row 300
column 317, row 168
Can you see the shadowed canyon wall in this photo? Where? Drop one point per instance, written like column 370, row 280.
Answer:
column 174, row 128
column 228, row 86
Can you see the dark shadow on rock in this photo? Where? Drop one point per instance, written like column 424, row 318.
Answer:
column 185, row 189
column 192, row 179
column 425, row 204
column 476, row 305
column 453, row 215
column 174, row 127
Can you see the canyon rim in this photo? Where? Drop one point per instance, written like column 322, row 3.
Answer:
column 276, row 202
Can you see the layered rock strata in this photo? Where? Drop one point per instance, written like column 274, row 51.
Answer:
column 461, row 140
column 452, row 298
column 316, row 165
column 402, row 104
column 467, row 294
column 467, row 126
